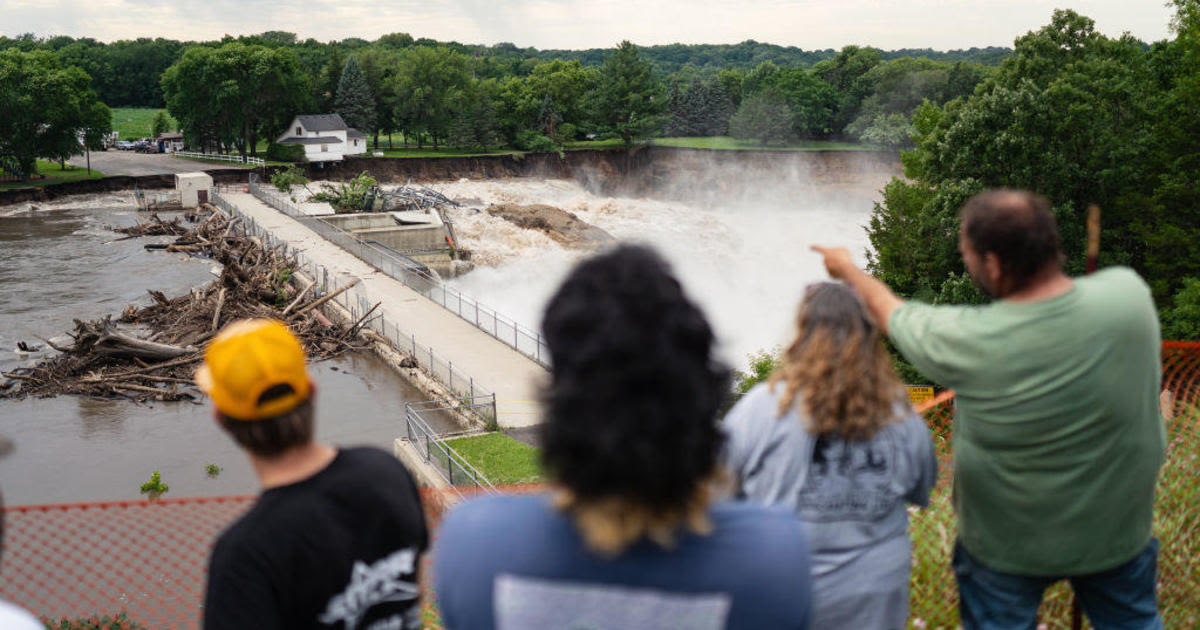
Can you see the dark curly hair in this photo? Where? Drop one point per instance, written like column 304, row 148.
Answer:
column 634, row 391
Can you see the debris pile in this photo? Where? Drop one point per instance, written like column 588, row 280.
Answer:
column 151, row 352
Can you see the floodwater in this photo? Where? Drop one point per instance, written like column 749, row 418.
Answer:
column 59, row 262
column 745, row 259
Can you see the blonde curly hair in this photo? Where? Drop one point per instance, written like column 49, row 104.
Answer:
column 837, row 368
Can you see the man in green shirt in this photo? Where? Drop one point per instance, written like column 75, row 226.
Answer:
column 1057, row 435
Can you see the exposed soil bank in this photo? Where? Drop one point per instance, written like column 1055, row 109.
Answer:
column 668, row 172
column 109, row 184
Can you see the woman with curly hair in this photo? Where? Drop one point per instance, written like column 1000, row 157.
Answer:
column 629, row 537
column 832, row 437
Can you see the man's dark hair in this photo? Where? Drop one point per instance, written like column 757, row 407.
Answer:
column 635, row 389
column 1018, row 227
column 271, row 436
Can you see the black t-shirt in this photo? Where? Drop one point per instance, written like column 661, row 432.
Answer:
column 340, row 549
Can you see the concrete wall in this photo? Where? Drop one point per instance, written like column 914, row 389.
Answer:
column 407, row 238
column 360, row 220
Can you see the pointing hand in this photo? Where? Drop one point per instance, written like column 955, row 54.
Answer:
column 837, row 260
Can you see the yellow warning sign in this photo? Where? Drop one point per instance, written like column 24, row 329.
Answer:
column 918, row 394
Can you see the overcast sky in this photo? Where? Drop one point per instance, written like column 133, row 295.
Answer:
column 809, row 24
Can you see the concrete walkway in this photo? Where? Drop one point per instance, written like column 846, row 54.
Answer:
column 511, row 375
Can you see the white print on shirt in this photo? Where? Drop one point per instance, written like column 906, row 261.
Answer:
column 523, row 603
column 373, row 585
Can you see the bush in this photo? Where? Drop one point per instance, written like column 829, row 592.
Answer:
column 350, row 197
column 1182, row 321
column 530, row 140
column 155, row 487
column 285, row 152
column 288, row 177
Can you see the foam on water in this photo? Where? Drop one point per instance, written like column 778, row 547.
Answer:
column 746, row 263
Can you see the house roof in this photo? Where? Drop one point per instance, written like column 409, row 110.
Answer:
column 354, row 133
column 322, row 122
column 170, row 136
column 317, row 140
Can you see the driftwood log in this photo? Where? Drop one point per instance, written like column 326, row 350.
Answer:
column 152, row 352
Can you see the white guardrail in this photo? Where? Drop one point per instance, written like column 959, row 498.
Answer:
column 219, row 157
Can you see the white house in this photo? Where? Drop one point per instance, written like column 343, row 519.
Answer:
column 325, row 137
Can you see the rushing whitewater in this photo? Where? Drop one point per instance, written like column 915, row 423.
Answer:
column 746, row 263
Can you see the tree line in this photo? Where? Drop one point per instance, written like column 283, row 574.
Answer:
column 1082, row 119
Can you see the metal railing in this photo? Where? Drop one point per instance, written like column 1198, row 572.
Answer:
column 449, row 464
column 220, row 157
column 357, row 303
column 415, row 276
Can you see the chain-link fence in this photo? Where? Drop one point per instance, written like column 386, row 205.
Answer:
column 415, row 276
column 355, row 301
column 148, row 558
column 454, row 469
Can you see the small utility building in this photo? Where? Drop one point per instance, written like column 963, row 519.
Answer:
column 325, row 137
column 193, row 188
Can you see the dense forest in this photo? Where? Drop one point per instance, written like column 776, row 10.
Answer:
column 233, row 93
column 1082, row 119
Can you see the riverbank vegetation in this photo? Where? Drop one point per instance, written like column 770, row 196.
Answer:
column 51, row 173
column 483, row 99
column 1082, row 119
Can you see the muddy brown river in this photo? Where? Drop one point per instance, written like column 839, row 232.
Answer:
column 59, row 262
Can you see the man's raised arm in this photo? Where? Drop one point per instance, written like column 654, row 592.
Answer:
column 876, row 295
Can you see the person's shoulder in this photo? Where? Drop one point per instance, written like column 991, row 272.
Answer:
column 768, row 530
column 1120, row 276
column 487, row 512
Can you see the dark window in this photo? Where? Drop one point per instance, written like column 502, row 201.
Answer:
column 299, row 131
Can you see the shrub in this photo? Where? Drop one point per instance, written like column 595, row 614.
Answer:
column 349, row 197
column 288, row 177
column 285, row 152
column 530, row 140
column 155, row 487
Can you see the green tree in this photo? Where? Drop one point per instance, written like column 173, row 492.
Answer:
column 1182, row 319
column 233, row 95
column 50, row 111
column 629, row 101
column 354, row 101
column 765, row 117
column 426, row 84
column 161, row 124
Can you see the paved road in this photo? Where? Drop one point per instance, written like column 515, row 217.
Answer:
column 513, row 376
column 132, row 163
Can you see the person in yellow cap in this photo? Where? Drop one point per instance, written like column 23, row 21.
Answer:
column 335, row 538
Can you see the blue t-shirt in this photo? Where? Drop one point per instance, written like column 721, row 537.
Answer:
column 515, row 562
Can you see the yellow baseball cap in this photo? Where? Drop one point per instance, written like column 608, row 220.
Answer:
column 246, row 359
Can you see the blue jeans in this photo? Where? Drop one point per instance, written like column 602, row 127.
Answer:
column 1118, row 599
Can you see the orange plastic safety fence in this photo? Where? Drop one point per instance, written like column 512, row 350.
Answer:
column 934, row 597
column 147, row 559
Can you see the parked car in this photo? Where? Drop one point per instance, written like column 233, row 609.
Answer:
column 124, row 145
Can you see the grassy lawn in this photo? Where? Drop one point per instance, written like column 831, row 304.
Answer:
column 439, row 152
column 136, row 122
column 503, row 460
column 52, row 174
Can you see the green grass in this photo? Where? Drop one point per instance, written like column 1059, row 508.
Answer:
column 503, row 460
column 53, row 174
column 439, row 152
column 136, row 122
column 726, row 143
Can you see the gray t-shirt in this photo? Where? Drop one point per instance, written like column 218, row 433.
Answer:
column 850, row 496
